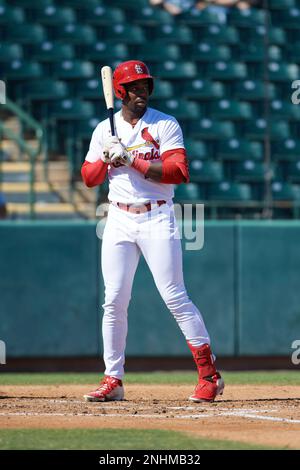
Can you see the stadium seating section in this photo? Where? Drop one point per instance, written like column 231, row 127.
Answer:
column 228, row 84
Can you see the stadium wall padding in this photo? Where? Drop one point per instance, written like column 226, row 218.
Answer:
column 245, row 281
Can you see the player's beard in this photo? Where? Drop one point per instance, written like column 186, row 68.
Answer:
column 141, row 105
column 138, row 106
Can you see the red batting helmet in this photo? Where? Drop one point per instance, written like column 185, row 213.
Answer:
column 130, row 71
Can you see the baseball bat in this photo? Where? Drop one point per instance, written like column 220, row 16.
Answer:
column 107, row 84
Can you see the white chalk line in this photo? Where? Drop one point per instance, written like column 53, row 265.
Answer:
column 251, row 414
column 205, row 413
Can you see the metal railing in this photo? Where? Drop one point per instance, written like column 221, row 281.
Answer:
column 27, row 121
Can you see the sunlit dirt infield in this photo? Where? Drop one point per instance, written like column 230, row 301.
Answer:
column 255, row 414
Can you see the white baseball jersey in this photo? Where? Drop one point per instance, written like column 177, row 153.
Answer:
column 154, row 134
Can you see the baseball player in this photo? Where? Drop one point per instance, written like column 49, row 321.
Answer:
column 143, row 162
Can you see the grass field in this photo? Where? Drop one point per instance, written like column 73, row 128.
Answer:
column 112, row 439
column 121, row 439
column 176, row 377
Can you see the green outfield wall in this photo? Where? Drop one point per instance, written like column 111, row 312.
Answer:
column 245, row 281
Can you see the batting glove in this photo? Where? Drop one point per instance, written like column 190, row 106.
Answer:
column 120, row 155
column 108, row 145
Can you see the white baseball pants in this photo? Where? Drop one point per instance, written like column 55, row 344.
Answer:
column 155, row 235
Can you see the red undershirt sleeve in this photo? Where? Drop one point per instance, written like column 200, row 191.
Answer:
column 93, row 174
column 175, row 168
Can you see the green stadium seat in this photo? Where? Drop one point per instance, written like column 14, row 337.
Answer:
column 188, row 192
column 276, row 35
column 285, row 90
column 154, row 52
column 254, row 90
column 293, row 53
column 32, row 4
column 128, row 4
column 26, row 34
column 171, row 70
column 9, row 52
column 180, row 108
column 229, row 191
column 123, row 33
column 280, row 72
column 196, row 149
column 239, row 149
column 162, row 90
column 49, row 51
column 247, row 18
column 284, row 110
column 175, row 34
column 86, row 127
column 70, row 110
column 10, row 15
column 202, row 89
column 288, row 149
column 218, row 34
column 255, row 69
column 257, row 129
column 195, row 17
column 149, row 16
column 73, row 69
column 205, row 171
column 248, row 171
column 284, row 191
column 102, row 51
column 22, row 70
column 208, row 129
column 290, row 18
column 293, row 171
column 101, row 15
column 227, row 71
column 78, row 34
column 37, row 94
column 90, row 89
column 62, row 129
column 83, row 129
column 230, row 110
column 209, row 52
column 281, row 4
column 52, row 16
column 257, row 53
column 81, row 5
column 45, row 90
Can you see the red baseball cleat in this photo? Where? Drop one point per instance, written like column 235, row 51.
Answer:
column 111, row 389
column 207, row 389
column 210, row 383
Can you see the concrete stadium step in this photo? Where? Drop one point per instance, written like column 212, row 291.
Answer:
column 11, row 148
column 15, row 167
column 57, row 171
column 41, row 208
column 39, row 187
column 14, row 172
column 40, row 198
column 14, row 177
column 24, row 187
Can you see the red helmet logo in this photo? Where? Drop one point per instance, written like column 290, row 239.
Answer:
column 130, row 71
